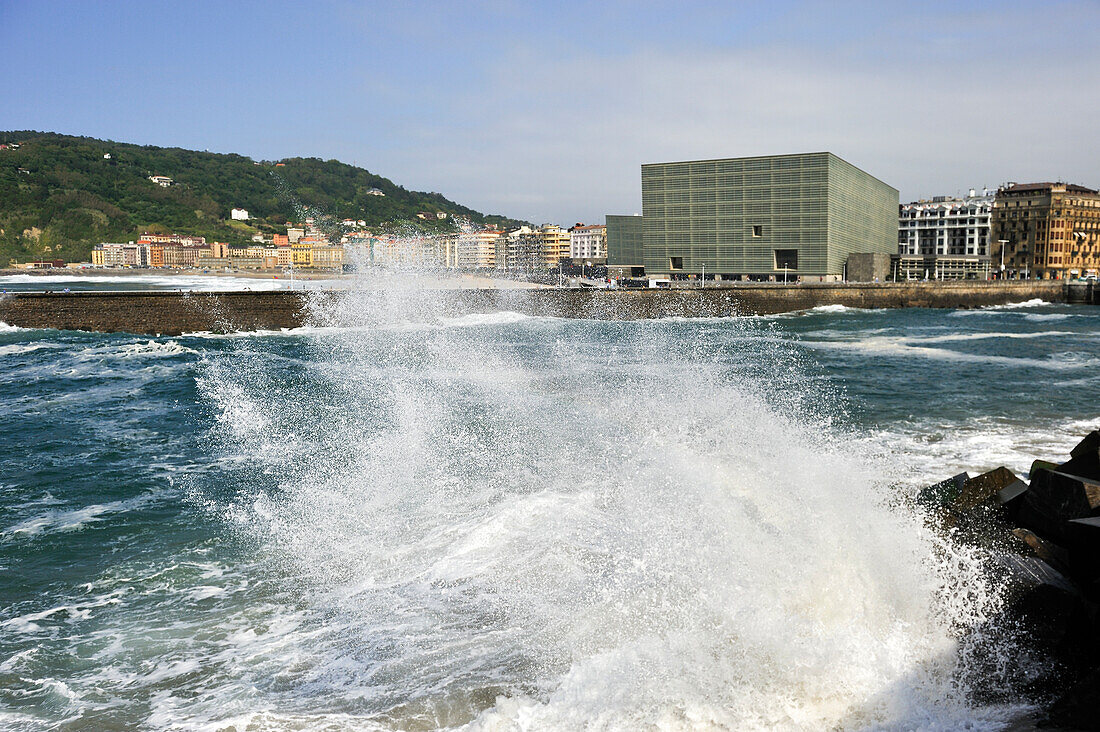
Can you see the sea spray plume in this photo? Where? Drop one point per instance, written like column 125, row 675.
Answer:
column 324, row 221
column 594, row 525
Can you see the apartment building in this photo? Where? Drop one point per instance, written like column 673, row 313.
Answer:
column 588, row 243
column 477, row 249
column 1046, row 231
column 945, row 238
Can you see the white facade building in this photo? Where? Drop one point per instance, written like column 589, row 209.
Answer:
column 945, row 238
column 239, row 214
column 588, row 242
column 959, row 226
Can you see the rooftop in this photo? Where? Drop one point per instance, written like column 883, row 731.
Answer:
column 1029, row 187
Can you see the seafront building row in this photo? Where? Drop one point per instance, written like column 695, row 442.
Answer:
column 804, row 217
column 815, row 217
column 523, row 249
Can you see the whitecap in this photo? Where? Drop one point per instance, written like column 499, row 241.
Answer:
column 70, row 520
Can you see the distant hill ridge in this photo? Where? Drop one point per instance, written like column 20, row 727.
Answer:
column 60, row 195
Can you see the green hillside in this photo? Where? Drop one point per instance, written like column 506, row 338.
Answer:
column 59, row 195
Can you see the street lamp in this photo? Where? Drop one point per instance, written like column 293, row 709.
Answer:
column 703, row 281
column 1002, row 242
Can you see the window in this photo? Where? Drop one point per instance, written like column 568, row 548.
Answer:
column 786, row 258
column 757, row 230
column 675, row 262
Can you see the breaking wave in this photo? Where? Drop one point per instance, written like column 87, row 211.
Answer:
column 524, row 523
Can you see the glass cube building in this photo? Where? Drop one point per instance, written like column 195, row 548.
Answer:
column 763, row 217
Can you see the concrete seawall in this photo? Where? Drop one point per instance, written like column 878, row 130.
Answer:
column 173, row 313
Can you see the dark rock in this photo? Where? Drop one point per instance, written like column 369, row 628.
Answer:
column 1056, row 621
column 1084, row 545
column 1055, row 498
column 981, row 487
column 1085, row 458
column 1049, row 552
column 1078, row 708
column 1037, row 465
column 1011, row 497
column 943, row 493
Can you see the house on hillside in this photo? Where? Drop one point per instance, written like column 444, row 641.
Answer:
column 161, row 180
column 239, row 214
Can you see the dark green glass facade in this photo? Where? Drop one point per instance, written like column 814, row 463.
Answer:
column 752, row 216
column 624, row 241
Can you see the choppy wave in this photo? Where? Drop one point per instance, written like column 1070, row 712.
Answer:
column 988, row 309
column 14, row 349
column 983, row 336
column 906, row 347
column 72, row 519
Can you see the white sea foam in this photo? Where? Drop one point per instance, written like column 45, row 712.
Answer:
column 1032, row 303
column 69, row 519
column 927, row 451
column 904, row 346
column 5, row 328
column 831, row 309
column 953, row 337
column 993, row 309
column 29, row 622
column 15, row 349
column 530, row 546
column 1046, row 317
column 154, row 348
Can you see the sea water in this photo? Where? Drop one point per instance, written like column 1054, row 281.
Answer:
column 409, row 519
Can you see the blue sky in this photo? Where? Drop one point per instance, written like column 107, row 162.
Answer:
column 545, row 111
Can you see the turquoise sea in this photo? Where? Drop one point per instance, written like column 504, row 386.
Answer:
column 421, row 521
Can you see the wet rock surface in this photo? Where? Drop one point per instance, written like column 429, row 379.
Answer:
column 1044, row 537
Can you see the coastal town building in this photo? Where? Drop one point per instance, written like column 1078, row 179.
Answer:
column 161, row 180
column 588, row 243
column 554, row 242
column 1046, row 231
column 116, row 254
column 944, row 238
column 477, row 249
column 239, row 214
column 763, row 217
column 520, row 250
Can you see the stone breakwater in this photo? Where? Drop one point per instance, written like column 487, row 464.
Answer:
column 173, row 313
column 1043, row 534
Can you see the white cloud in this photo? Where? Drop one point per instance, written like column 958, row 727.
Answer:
column 561, row 136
